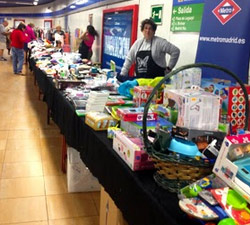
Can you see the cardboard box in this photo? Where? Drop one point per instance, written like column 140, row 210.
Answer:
column 232, row 101
column 136, row 128
column 79, row 178
column 99, row 120
column 186, row 78
column 233, row 149
column 109, row 213
column 130, row 149
column 141, row 95
column 135, row 114
column 196, row 109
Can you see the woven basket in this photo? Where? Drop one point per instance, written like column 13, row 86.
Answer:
column 174, row 173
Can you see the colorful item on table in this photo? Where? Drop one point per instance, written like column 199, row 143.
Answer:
column 99, row 120
column 227, row 221
column 135, row 114
column 131, row 150
column 196, row 208
column 184, row 147
column 243, row 170
column 236, row 201
column 236, row 107
column 241, row 216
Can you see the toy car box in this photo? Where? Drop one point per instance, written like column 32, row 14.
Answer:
column 233, row 163
column 131, row 150
column 135, row 114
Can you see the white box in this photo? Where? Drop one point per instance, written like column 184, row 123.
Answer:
column 225, row 166
column 197, row 109
column 131, row 150
column 79, row 178
column 186, row 78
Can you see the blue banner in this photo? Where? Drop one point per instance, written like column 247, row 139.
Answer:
column 225, row 37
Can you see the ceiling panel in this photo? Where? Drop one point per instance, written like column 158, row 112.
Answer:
column 22, row 3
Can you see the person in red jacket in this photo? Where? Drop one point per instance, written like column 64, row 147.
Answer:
column 18, row 39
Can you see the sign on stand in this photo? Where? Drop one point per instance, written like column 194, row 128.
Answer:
column 187, row 18
column 156, row 13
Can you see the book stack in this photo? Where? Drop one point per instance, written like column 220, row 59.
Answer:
column 97, row 101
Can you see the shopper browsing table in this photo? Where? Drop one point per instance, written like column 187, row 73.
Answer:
column 58, row 35
column 3, row 36
column 18, row 38
column 149, row 54
column 30, row 37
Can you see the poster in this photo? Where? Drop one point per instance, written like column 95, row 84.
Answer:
column 227, row 41
column 119, row 32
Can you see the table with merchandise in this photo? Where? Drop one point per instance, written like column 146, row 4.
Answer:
column 136, row 194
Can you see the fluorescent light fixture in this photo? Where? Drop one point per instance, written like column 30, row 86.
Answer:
column 81, row 2
column 35, row 3
column 72, row 6
column 3, row 1
column 23, row 3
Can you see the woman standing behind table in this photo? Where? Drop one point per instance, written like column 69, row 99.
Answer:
column 18, row 38
column 149, row 54
column 85, row 48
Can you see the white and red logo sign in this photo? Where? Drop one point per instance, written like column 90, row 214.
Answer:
column 226, row 10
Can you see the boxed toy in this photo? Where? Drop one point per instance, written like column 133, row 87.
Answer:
column 135, row 128
column 220, row 89
column 236, row 107
column 141, row 95
column 197, row 109
column 131, row 150
column 186, row 78
column 99, row 120
column 135, row 114
column 233, row 163
column 232, row 101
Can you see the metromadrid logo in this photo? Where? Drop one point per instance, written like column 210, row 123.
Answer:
column 226, row 10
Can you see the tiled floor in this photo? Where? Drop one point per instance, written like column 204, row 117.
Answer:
column 33, row 190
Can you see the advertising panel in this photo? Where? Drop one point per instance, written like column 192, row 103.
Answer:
column 119, row 33
column 225, row 37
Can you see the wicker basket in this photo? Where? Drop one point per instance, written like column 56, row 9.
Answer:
column 173, row 173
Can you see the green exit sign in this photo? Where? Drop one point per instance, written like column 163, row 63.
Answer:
column 156, row 13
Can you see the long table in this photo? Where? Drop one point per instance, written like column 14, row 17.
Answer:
column 136, row 194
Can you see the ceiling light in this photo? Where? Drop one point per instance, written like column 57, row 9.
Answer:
column 80, row 2
column 23, row 3
column 3, row 1
column 35, row 3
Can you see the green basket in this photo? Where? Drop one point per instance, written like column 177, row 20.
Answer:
column 174, row 173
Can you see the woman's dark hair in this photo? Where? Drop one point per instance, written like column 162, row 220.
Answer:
column 21, row 26
column 92, row 30
column 149, row 21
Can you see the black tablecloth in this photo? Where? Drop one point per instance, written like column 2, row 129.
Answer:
column 136, row 194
